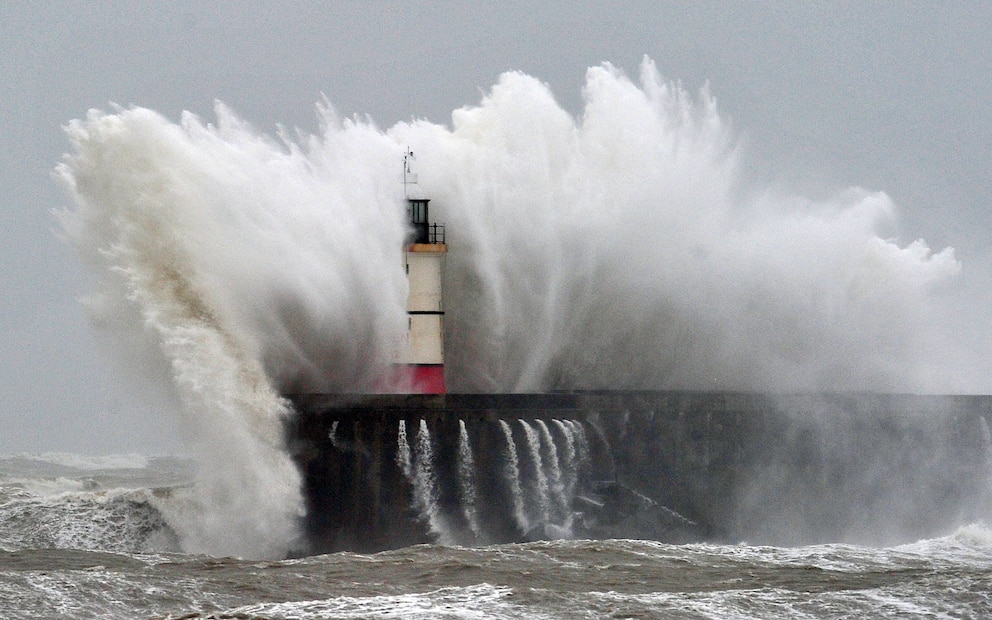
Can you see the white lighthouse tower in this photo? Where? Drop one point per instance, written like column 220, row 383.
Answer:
column 424, row 262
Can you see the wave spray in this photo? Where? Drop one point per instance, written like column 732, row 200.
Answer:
column 612, row 250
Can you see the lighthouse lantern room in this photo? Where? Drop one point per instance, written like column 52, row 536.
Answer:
column 424, row 263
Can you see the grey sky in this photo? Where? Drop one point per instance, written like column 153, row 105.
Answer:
column 888, row 96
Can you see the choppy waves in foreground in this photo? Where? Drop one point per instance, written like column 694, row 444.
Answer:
column 85, row 538
column 946, row 577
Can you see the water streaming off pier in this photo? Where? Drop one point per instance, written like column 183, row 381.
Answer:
column 546, row 504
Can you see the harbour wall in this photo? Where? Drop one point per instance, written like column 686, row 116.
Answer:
column 391, row 470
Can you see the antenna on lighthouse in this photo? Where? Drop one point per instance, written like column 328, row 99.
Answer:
column 409, row 178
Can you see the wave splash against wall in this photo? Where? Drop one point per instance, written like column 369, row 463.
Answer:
column 614, row 250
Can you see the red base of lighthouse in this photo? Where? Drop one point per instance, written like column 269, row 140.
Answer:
column 427, row 379
column 412, row 379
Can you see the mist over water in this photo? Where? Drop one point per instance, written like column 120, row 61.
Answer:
column 613, row 250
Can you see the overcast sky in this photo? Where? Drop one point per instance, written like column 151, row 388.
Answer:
column 891, row 96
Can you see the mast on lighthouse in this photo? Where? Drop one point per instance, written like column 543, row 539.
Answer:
column 424, row 262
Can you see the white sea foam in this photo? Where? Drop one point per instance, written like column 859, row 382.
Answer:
column 974, row 534
column 892, row 602
column 489, row 601
column 476, row 601
column 610, row 250
column 971, row 544
column 118, row 520
column 554, row 579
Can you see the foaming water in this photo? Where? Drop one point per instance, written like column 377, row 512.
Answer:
column 561, row 579
column 612, row 250
column 119, row 520
column 71, row 502
column 107, row 552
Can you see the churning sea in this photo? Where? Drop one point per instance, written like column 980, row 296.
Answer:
column 85, row 537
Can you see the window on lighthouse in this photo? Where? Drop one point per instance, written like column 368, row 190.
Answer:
column 418, row 211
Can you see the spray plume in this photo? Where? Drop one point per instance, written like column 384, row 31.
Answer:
column 606, row 251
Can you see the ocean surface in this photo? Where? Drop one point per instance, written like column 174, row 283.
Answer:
column 88, row 537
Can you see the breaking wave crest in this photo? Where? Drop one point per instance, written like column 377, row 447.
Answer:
column 117, row 520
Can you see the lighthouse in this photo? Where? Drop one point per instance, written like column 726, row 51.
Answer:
column 423, row 354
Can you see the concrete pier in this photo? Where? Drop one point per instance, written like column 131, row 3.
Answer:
column 670, row 466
